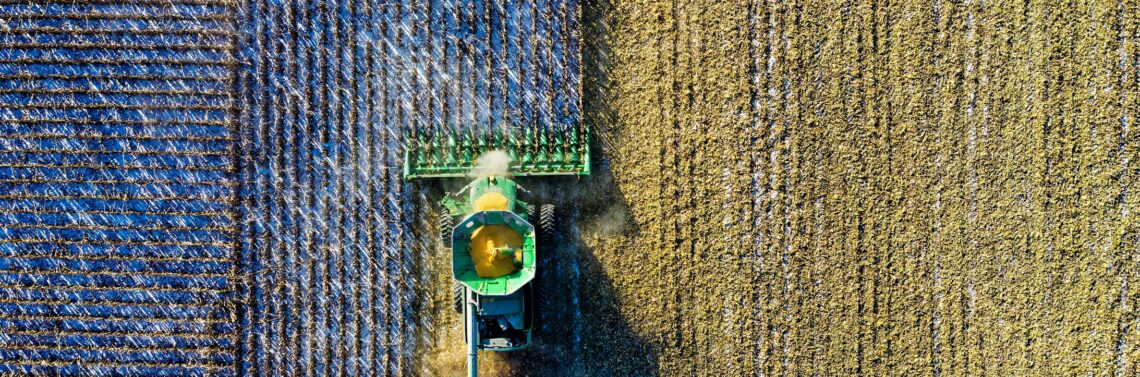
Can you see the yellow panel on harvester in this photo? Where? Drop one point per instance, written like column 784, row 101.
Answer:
column 491, row 201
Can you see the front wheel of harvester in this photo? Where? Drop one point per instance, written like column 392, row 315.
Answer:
column 445, row 227
column 457, row 296
column 546, row 226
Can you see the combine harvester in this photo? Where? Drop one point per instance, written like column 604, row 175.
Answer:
column 494, row 248
column 504, row 87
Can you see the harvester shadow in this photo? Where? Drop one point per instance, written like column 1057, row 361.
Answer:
column 582, row 331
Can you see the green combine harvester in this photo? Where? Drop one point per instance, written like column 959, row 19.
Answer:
column 494, row 236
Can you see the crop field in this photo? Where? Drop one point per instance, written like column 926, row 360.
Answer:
column 885, row 188
column 214, row 187
column 117, row 184
column 202, row 188
column 838, row 188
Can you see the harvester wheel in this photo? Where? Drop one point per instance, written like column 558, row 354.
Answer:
column 543, row 283
column 546, row 226
column 445, row 227
column 531, row 212
column 457, row 296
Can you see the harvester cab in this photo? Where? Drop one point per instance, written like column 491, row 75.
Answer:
column 495, row 237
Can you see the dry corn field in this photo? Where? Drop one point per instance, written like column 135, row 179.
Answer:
column 857, row 188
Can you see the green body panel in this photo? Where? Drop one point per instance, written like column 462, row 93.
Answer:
column 504, row 299
column 501, row 298
column 462, row 205
column 429, row 154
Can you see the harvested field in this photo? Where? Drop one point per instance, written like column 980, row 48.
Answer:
column 855, row 188
column 862, row 188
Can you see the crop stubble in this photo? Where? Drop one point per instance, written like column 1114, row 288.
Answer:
column 878, row 188
column 832, row 188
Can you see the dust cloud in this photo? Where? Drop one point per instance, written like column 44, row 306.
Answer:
column 492, row 163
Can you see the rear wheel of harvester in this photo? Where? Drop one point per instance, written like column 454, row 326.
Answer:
column 543, row 282
column 445, row 227
column 546, row 225
column 457, row 296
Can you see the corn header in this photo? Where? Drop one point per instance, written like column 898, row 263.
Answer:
column 447, row 153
